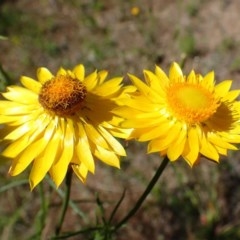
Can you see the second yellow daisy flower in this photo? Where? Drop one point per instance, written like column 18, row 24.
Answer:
column 184, row 116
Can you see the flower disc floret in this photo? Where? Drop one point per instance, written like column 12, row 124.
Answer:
column 191, row 103
column 62, row 95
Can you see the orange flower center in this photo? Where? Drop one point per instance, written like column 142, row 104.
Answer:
column 62, row 95
column 191, row 103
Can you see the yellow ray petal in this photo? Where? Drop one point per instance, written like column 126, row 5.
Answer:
column 108, row 88
column 161, row 129
column 176, row 148
column 163, row 142
column 107, row 156
column 21, row 95
column 208, row 150
column 231, row 96
column 102, row 75
column 163, row 78
column 43, row 163
column 83, row 150
column 29, row 154
column 141, row 123
column 154, row 82
column 62, row 71
column 192, row 78
column 115, row 145
column 44, row 75
column 208, row 81
column 31, row 84
column 175, row 73
column 91, row 81
column 95, row 136
column 21, row 130
column 59, row 169
column 79, row 72
column 13, row 108
column 220, row 142
column 81, row 171
column 193, row 146
column 144, row 89
column 223, row 87
column 16, row 147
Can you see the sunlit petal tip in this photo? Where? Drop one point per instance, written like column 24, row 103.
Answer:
column 79, row 72
column 176, row 67
column 146, row 72
column 57, row 182
column 103, row 74
column 209, row 78
column 32, row 184
column 44, row 75
column 31, row 84
column 175, row 71
column 61, row 71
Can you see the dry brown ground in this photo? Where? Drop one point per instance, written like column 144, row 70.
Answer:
column 199, row 203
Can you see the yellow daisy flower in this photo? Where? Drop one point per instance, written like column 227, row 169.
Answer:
column 184, row 116
column 61, row 121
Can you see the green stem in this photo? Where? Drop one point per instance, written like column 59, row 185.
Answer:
column 44, row 205
column 145, row 194
column 66, row 201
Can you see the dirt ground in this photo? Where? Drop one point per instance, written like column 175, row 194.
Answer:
column 127, row 37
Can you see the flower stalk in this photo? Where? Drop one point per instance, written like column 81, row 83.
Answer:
column 68, row 182
column 144, row 195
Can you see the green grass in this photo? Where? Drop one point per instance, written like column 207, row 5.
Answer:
column 186, row 203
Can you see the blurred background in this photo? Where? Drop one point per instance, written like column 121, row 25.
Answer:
column 124, row 37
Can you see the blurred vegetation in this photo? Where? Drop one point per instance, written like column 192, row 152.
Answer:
column 195, row 204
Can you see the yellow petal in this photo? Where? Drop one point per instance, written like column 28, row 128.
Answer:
column 176, row 148
column 83, row 150
column 231, row 96
column 95, row 136
column 29, row 154
column 102, row 75
column 208, row 150
column 79, row 71
column 43, row 162
column 109, row 87
column 91, row 81
column 192, row 78
column 163, row 142
column 220, row 142
column 20, row 131
column 31, row 84
column 222, row 88
column 62, row 71
column 81, row 171
column 59, row 169
column 163, row 78
column 16, row 147
column 115, row 145
column 154, row 82
column 107, row 157
column 143, row 88
column 32, row 149
column 193, row 146
column 44, row 75
column 175, row 73
column 208, row 81
column 161, row 129
column 21, row 95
